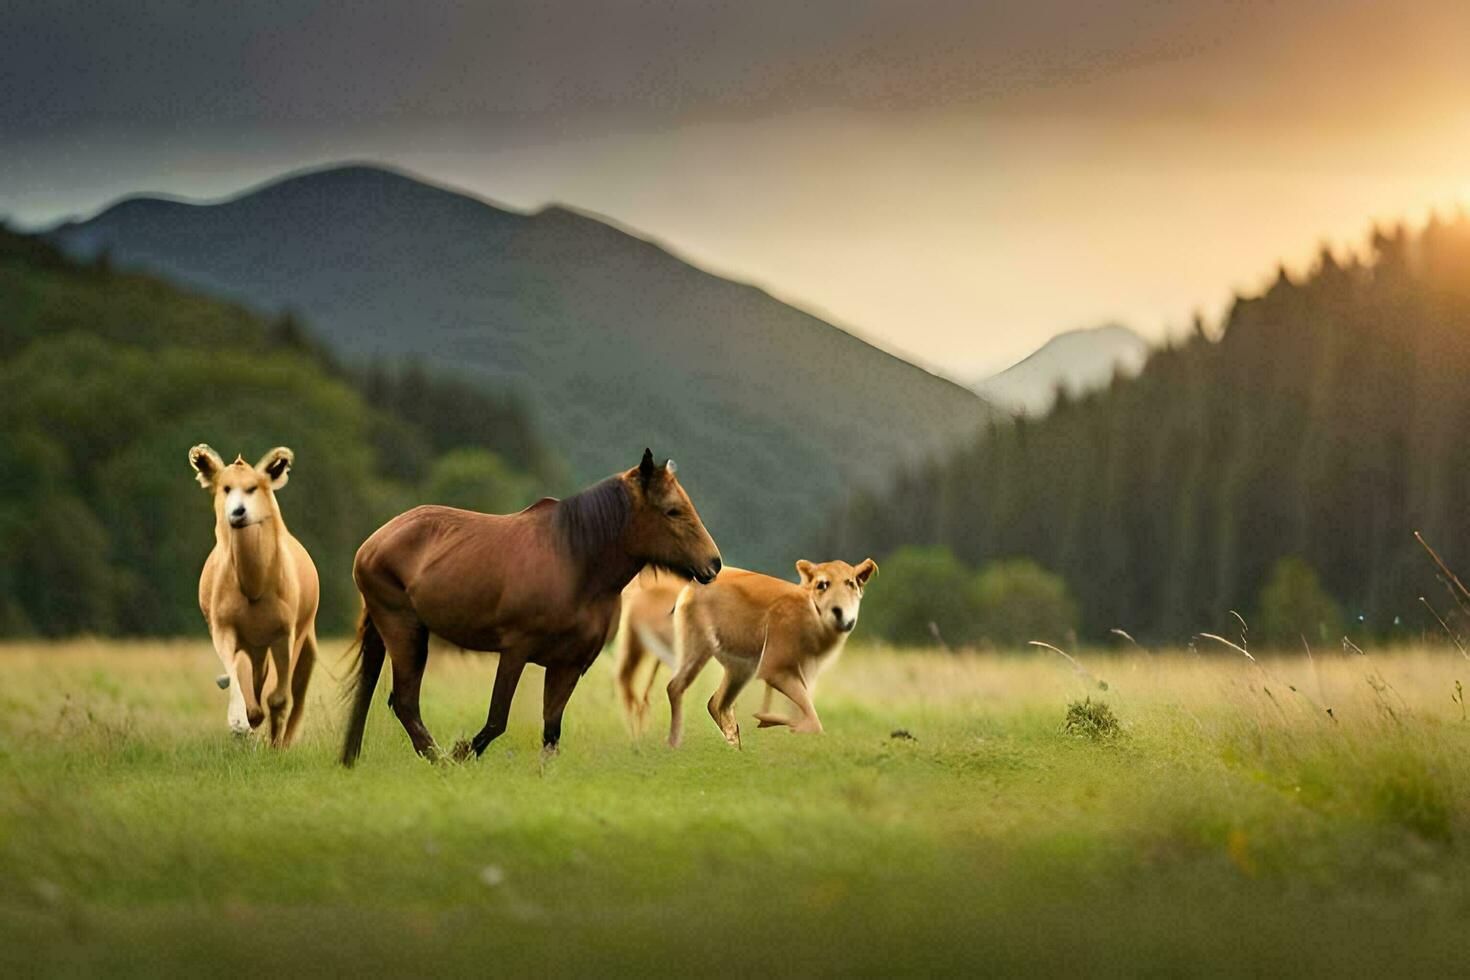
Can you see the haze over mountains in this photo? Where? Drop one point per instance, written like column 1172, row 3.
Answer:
column 773, row 414
column 1078, row 360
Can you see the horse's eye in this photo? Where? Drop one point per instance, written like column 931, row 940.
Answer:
column 227, row 489
column 821, row 586
column 673, row 512
column 850, row 584
column 251, row 490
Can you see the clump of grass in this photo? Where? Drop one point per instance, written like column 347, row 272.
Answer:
column 1092, row 720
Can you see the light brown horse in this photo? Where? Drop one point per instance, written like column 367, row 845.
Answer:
column 540, row 587
column 645, row 633
column 258, row 592
column 782, row 632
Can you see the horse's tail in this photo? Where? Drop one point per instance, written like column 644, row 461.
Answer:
column 359, row 691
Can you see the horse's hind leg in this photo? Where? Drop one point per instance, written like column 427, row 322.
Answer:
column 630, row 654
column 407, row 641
column 300, row 678
column 722, row 702
column 642, row 710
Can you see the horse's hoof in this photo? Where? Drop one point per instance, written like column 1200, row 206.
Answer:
column 222, row 682
column 463, row 751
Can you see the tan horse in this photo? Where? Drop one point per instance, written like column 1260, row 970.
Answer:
column 259, row 592
column 540, row 587
column 785, row 633
column 645, row 634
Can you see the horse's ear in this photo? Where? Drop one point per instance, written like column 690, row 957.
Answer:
column 276, row 465
column 805, row 569
column 671, row 467
column 865, row 571
column 646, row 468
column 206, row 463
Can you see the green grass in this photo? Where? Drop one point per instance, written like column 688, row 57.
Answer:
column 1231, row 825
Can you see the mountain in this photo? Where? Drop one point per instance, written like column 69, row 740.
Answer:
column 1079, row 360
column 773, row 414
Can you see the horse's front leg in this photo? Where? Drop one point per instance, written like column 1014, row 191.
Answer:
column 249, row 678
column 561, row 681
column 793, row 684
column 301, row 669
column 225, row 647
column 507, row 676
column 280, row 654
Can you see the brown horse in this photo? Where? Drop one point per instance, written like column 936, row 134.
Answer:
column 541, row 587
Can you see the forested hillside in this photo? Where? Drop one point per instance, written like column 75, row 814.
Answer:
column 109, row 378
column 1326, row 419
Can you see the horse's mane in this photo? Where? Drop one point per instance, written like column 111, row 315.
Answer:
column 588, row 520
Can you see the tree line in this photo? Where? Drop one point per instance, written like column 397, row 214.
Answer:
column 1323, row 421
column 110, row 377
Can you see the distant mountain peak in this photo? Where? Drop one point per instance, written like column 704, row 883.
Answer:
column 337, row 187
column 1078, row 360
column 347, row 176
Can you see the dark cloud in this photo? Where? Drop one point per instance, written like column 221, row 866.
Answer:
column 913, row 168
column 172, row 62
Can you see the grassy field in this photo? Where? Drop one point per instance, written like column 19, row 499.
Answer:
column 1233, row 824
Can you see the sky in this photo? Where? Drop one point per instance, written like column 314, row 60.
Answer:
column 954, row 181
